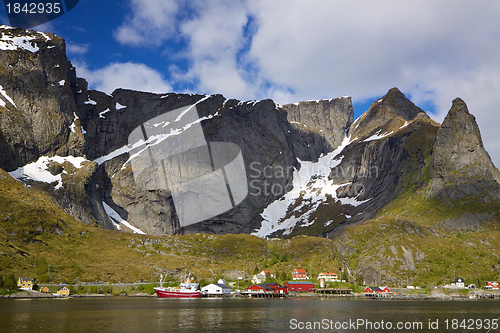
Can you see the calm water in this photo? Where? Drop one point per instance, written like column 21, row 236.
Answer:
column 238, row 315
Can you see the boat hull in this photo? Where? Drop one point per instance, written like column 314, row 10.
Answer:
column 177, row 294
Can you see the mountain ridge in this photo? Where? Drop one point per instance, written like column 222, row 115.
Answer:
column 393, row 146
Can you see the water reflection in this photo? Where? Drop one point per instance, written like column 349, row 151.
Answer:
column 221, row 315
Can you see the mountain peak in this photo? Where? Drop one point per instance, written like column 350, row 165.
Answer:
column 459, row 159
column 386, row 115
column 459, row 106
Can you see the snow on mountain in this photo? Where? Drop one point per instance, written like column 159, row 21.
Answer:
column 311, row 187
column 39, row 170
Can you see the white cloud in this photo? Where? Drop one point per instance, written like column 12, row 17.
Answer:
column 299, row 50
column 124, row 75
column 150, row 23
column 78, row 49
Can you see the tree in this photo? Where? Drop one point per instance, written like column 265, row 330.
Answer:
column 256, row 270
column 284, row 257
column 283, row 275
column 1, row 281
column 10, row 282
column 269, row 278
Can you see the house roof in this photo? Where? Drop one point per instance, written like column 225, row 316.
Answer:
column 266, row 287
column 26, row 279
column 299, row 270
column 329, row 273
column 220, row 285
column 270, row 284
column 254, row 285
column 259, row 276
column 63, row 288
column 377, row 288
column 299, row 282
column 223, row 286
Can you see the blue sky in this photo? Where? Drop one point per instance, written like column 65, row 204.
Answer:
column 294, row 50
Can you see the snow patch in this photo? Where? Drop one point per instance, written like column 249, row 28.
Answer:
column 9, row 43
column 118, row 221
column 73, row 125
column 101, row 114
column 62, row 82
column 405, row 124
column 90, row 102
column 118, row 106
column 378, row 136
column 7, row 97
column 38, row 171
column 113, row 154
column 311, row 185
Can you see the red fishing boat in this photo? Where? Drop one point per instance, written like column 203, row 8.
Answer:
column 188, row 289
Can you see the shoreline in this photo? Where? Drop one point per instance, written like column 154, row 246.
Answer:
column 32, row 294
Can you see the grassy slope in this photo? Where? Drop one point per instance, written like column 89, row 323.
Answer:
column 468, row 249
column 88, row 253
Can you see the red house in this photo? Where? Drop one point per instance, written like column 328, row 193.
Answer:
column 299, row 274
column 267, row 288
column 299, row 286
column 492, row 284
column 259, row 289
column 278, row 289
column 377, row 290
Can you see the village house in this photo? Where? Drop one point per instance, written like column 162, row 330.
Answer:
column 267, row 288
column 44, row 289
column 259, row 289
column 258, row 278
column 219, row 288
column 262, row 276
column 491, row 285
column 328, row 277
column 458, row 283
column 63, row 291
column 299, row 286
column 377, row 290
column 25, row 283
column 299, row 274
column 278, row 289
column 265, row 273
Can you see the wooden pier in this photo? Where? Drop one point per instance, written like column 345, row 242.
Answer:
column 261, row 295
column 333, row 291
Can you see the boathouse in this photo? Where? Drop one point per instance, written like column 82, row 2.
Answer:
column 377, row 290
column 300, row 286
column 216, row 289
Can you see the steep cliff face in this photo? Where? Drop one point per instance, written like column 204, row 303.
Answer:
column 308, row 169
column 47, row 113
column 319, row 127
column 389, row 142
column 461, row 167
column 37, row 106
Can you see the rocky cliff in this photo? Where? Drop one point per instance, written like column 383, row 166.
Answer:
column 460, row 166
column 309, row 169
column 48, row 112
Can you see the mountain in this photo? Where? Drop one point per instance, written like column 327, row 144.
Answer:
column 310, row 169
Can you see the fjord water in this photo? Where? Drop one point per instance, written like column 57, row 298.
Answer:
column 231, row 315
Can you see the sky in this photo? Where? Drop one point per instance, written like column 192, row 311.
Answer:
column 295, row 50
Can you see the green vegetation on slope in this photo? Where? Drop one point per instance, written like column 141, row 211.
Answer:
column 39, row 240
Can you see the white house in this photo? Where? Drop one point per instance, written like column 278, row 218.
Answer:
column 258, row 278
column 216, row 289
column 329, row 277
column 459, row 283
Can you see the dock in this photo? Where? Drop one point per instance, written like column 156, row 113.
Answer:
column 333, row 291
